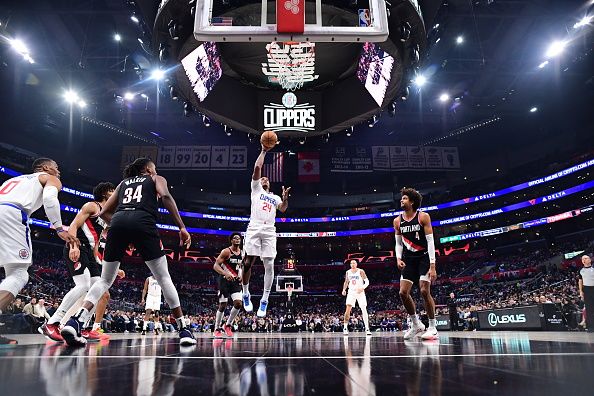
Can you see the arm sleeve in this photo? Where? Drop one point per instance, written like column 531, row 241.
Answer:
column 52, row 206
column 399, row 246
column 430, row 247
column 365, row 283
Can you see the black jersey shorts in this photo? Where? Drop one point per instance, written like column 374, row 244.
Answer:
column 229, row 289
column 86, row 260
column 416, row 269
column 133, row 227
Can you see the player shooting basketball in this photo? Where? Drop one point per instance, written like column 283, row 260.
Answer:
column 260, row 237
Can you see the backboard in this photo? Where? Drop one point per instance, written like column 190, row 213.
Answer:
column 284, row 281
column 291, row 20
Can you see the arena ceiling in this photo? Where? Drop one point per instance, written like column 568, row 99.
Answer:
column 493, row 73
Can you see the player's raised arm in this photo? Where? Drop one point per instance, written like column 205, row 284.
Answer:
column 171, row 206
column 285, row 203
column 257, row 175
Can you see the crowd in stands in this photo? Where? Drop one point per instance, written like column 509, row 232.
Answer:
column 321, row 308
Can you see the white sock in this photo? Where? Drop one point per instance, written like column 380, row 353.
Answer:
column 219, row 319
column 432, row 323
column 232, row 315
column 416, row 321
column 246, row 289
column 83, row 315
column 268, row 276
column 96, row 326
column 345, row 326
column 181, row 322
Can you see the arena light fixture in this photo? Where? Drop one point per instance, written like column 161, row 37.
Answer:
column 543, row 64
column 157, row 74
column 420, row 80
column 19, row 46
column 444, row 97
column 555, row 49
column 188, row 109
column 134, row 18
column 71, row 96
column 117, row 37
column 140, row 40
column 82, row 104
column 144, row 96
column 534, row 109
column 205, row 121
column 459, row 40
column 583, row 22
column 373, row 121
column 129, row 96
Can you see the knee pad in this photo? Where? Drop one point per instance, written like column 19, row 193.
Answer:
column 16, row 278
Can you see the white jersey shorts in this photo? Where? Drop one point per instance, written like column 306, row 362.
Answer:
column 15, row 236
column 354, row 297
column 260, row 241
column 153, row 303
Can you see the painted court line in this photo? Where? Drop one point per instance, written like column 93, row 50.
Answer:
column 305, row 357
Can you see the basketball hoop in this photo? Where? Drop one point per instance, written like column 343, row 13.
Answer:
column 291, row 63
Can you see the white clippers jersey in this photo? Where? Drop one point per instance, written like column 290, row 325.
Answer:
column 154, row 289
column 263, row 206
column 24, row 191
column 355, row 279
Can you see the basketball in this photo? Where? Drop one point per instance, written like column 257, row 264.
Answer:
column 268, row 139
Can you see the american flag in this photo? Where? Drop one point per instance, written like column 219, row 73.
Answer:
column 273, row 167
column 221, row 21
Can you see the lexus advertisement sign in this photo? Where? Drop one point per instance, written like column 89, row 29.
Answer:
column 510, row 318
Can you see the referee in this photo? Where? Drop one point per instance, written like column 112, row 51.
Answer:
column 586, row 287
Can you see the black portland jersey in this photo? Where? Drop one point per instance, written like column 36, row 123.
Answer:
column 91, row 230
column 413, row 237
column 233, row 264
column 138, row 193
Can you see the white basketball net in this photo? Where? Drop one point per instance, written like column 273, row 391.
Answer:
column 292, row 64
column 290, row 291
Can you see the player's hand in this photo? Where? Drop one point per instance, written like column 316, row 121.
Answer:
column 400, row 264
column 264, row 148
column 74, row 253
column 72, row 240
column 582, row 295
column 286, row 193
column 229, row 277
column 184, row 238
column 344, row 292
column 432, row 274
column 121, row 274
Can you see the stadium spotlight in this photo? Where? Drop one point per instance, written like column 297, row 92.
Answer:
column 134, row 18
column 543, row 64
column 144, row 96
column 404, row 94
column 556, row 48
column 459, row 40
column 420, row 80
column 129, row 96
column 71, row 96
column 19, row 46
column 534, row 109
column 82, row 104
column 205, row 121
column 117, row 37
column 372, row 121
column 444, row 97
column 173, row 93
column 583, row 22
column 228, row 130
column 157, row 74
